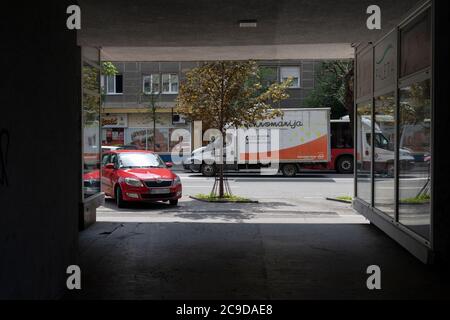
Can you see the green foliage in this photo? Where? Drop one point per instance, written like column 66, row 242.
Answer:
column 226, row 197
column 225, row 94
column 229, row 93
column 422, row 199
column 333, row 88
column 109, row 69
column 345, row 198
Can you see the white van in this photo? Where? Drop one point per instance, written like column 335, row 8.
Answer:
column 384, row 149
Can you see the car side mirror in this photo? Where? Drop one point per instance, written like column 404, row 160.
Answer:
column 110, row 166
column 169, row 164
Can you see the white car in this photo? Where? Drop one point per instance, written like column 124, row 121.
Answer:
column 109, row 148
column 193, row 163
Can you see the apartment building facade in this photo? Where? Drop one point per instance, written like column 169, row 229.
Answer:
column 139, row 105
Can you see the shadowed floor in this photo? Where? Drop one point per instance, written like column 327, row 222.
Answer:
column 247, row 261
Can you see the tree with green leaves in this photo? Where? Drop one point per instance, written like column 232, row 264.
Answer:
column 227, row 94
column 107, row 69
column 91, row 81
column 334, row 88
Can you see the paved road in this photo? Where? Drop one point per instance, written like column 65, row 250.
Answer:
column 281, row 200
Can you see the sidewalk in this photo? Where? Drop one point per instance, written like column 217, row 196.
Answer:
column 248, row 261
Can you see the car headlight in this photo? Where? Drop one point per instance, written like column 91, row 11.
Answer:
column 177, row 181
column 133, row 182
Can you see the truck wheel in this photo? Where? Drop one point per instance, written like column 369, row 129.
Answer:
column 344, row 165
column 208, row 170
column 289, row 170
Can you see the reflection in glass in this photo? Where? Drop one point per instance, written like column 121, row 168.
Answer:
column 162, row 140
column 179, row 142
column 91, row 145
column 113, row 137
column 384, row 140
column 142, row 139
column 91, row 121
column 364, row 151
column 415, row 175
column 91, row 78
column 416, row 45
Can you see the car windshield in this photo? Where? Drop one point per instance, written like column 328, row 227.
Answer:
column 140, row 160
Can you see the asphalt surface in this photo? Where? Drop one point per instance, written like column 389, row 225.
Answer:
column 293, row 244
column 281, row 200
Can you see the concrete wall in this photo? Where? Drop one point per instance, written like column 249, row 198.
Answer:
column 40, row 110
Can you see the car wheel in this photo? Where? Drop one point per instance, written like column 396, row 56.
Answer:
column 390, row 170
column 173, row 202
column 119, row 199
column 289, row 170
column 344, row 165
column 209, row 170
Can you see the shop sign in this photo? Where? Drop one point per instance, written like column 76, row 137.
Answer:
column 145, row 120
column 386, row 62
column 364, row 73
column 115, row 121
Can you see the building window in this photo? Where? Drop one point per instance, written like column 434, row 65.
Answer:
column 364, row 152
column 91, row 102
column 151, row 84
column 416, row 45
column 385, row 155
column 291, row 72
column 170, row 83
column 113, row 84
column 268, row 75
column 415, row 155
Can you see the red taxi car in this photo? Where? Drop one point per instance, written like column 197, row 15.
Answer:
column 136, row 175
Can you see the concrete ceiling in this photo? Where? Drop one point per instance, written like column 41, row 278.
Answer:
column 161, row 25
column 214, row 53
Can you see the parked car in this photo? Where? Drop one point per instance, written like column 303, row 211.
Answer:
column 91, row 183
column 139, row 176
column 128, row 147
column 109, row 148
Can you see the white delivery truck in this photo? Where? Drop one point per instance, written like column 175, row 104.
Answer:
column 384, row 149
column 286, row 143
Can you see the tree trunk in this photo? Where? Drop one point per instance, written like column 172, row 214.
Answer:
column 154, row 129
column 221, row 184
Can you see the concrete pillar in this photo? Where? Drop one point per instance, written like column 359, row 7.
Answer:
column 441, row 143
column 40, row 113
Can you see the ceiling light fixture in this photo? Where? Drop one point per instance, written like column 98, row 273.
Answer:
column 248, row 23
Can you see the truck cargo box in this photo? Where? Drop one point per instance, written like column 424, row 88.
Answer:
column 303, row 137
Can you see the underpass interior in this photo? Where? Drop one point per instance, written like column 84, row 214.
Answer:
column 293, row 244
column 278, row 248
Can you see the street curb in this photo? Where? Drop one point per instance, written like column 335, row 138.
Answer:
column 414, row 204
column 339, row 200
column 222, row 201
